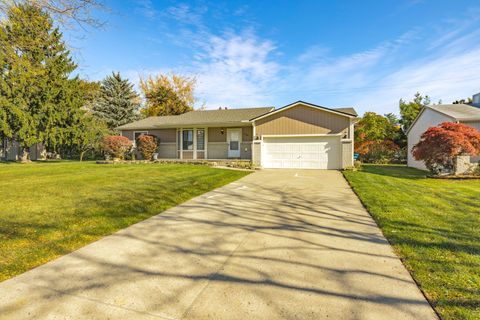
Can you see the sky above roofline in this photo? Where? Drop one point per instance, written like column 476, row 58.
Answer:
column 365, row 55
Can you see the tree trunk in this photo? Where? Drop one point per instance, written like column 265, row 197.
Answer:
column 25, row 157
column 81, row 155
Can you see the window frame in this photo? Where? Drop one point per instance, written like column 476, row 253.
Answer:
column 188, row 141
column 195, row 149
column 203, row 136
column 135, row 138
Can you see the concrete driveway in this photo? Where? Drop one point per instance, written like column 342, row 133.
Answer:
column 277, row 244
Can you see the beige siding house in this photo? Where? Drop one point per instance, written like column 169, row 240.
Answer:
column 434, row 115
column 299, row 135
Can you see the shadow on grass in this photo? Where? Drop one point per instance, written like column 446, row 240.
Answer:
column 395, row 171
column 261, row 228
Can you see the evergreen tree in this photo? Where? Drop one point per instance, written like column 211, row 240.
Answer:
column 36, row 92
column 117, row 103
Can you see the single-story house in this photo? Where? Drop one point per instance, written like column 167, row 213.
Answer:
column 433, row 115
column 299, row 135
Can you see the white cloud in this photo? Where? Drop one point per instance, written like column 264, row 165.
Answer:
column 239, row 68
column 146, row 8
column 235, row 70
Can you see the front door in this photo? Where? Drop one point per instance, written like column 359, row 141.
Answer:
column 234, row 137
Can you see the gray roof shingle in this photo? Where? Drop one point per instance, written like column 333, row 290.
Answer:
column 461, row 112
column 200, row 117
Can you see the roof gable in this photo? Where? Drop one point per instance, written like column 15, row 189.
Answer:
column 461, row 112
column 340, row 111
column 458, row 112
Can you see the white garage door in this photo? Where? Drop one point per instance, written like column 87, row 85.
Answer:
column 321, row 152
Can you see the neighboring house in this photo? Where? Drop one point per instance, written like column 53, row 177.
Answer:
column 299, row 135
column 11, row 151
column 434, row 115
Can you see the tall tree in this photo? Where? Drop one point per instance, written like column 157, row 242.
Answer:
column 88, row 134
column 91, row 92
column 117, row 102
column 36, row 89
column 376, row 137
column 372, row 127
column 168, row 95
column 410, row 110
column 394, row 130
column 469, row 100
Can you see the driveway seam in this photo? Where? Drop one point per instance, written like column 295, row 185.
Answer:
column 101, row 302
column 244, row 240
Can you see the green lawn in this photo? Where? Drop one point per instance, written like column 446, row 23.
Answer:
column 434, row 226
column 50, row 209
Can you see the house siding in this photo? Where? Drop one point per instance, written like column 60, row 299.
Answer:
column 302, row 119
column 215, row 135
column 167, row 149
column 246, row 151
column 217, row 150
column 347, row 154
column 257, row 153
column 165, row 135
column 476, row 125
column 247, row 134
column 428, row 118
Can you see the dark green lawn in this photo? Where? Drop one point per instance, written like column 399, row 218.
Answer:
column 50, row 209
column 434, row 226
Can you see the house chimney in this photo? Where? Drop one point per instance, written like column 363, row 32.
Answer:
column 476, row 100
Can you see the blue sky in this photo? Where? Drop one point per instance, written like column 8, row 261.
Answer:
column 365, row 54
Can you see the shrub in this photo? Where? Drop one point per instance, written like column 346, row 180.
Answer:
column 476, row 171
column 357, row 164
column 116, row 146
column 439, row 146
column 383, row 151
column 147, row 146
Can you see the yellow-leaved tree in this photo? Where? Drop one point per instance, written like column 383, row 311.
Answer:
column 167, row 95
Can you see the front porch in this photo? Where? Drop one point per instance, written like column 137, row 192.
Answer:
column 201, row 143
column 213, row 143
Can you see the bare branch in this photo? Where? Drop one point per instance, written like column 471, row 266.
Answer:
column 67, row 13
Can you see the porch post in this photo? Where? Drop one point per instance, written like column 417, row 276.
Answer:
column 205, row 138
column 194, row 130
column 181, row 142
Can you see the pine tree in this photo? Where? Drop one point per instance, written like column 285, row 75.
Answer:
column 37, row 94
column 118, row 103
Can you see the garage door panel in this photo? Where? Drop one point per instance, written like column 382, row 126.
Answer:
column 302, row 152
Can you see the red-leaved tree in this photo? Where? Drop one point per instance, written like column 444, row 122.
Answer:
column 116, row 146
column 439, row 146
column 147, row 145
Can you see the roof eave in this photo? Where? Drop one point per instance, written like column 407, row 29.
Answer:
column 305, row 103
column 469, row 119
column 243, row 123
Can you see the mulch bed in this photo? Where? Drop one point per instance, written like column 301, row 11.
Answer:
column 458, row 177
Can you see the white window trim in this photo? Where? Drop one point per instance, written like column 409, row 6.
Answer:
column 135, row 140
column 240, row 140
column 194, row 150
